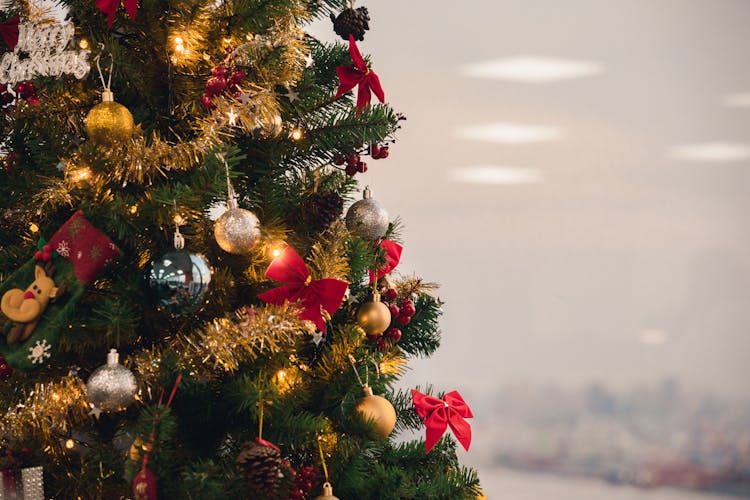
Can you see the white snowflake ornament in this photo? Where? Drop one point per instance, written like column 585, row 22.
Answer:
column 63, row 248
column 39, row 352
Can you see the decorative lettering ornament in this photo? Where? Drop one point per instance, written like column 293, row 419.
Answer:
column 42, row 51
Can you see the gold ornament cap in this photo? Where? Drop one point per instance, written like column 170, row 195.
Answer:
column 108, row 96
column 327, row 493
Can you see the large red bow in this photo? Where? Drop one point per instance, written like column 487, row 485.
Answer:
column 313, row 295
column 9, row 31
column 392, row 258
column 109, row 7
column 359, row 74
column 438, row 414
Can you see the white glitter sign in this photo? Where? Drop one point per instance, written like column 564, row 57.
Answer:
column 41, row 50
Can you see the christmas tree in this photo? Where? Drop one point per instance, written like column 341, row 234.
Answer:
column 187, row 311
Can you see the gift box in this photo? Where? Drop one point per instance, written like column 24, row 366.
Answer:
column 22, row 484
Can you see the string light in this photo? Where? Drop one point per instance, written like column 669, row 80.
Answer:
column 33, row 228
column 77, row 175
column 83, row 44
column 179, row 220
column 70, row 444
column 297, row 134
column 133, row 209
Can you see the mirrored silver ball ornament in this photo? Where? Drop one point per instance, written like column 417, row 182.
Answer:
column 237, row 230
column 179, row 280
column 367, row 218
column 111, row 387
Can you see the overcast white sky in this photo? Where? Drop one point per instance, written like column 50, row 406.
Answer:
column 603, row 235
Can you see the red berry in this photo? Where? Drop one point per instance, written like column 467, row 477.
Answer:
column 339, row 160
column 404, row 319
column 38, row 255
column 374, row 338
column 361, row 166
column 219, row 71
column 394, row 334
column 383, row 344
column 383, row 153
column 207, row 102
column 237, row 77
column 390, row 294
column 374, row 151
column 216, row 84
column 395, row 311
column 46, row 256
column 352, row 159
column 407, row 308
column 46, row 248
column 26, row 451
column 351, row 170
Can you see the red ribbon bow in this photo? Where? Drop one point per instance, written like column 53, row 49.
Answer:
column 392, row 258
column 359, row 74
column 9, row 31
column 313, row 295
column 109, row 7
column 437, row 414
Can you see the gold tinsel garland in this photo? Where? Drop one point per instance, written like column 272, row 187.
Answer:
column 48, row 411
column 226, row 343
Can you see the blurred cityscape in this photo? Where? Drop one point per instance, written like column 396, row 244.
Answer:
column 660, row 436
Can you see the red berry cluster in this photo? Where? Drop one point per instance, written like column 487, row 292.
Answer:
column 224, row 79
column 45, row 254
column 305, row 479
column 23, row 90
column 354, row 163
column 5, row 369
column 378, row 152
column 10, row 161
column 402, row 310
column 27, row 92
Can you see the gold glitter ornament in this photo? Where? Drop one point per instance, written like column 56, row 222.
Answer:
column 109, row 123
column 327, row 493
column 378, row 410
column 373, row 317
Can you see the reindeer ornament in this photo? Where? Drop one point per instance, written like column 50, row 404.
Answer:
column 25, row 308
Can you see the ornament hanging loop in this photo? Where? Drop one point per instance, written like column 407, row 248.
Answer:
column 179, row 239
column 106, row 85
column 231, row 194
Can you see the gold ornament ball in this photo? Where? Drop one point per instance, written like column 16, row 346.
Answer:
column 379, row 410
column 109, row 123
column 237, row 230
column 373, row 317
column 327, row 493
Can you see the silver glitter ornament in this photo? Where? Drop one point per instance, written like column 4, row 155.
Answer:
column 367, row 218
column 179, row 279
column 111, row 387
column 237, row 230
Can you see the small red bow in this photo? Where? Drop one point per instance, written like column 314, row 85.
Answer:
column 313, row 295
column 360, row 75
column 392, row 258
column 9, row 31
column 438, row 414
column 109, row 7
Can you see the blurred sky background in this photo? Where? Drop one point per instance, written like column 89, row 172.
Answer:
column 576, row 176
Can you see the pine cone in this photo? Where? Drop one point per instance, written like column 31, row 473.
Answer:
column 352, row 22
column 261, row 466
column 322, row 208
